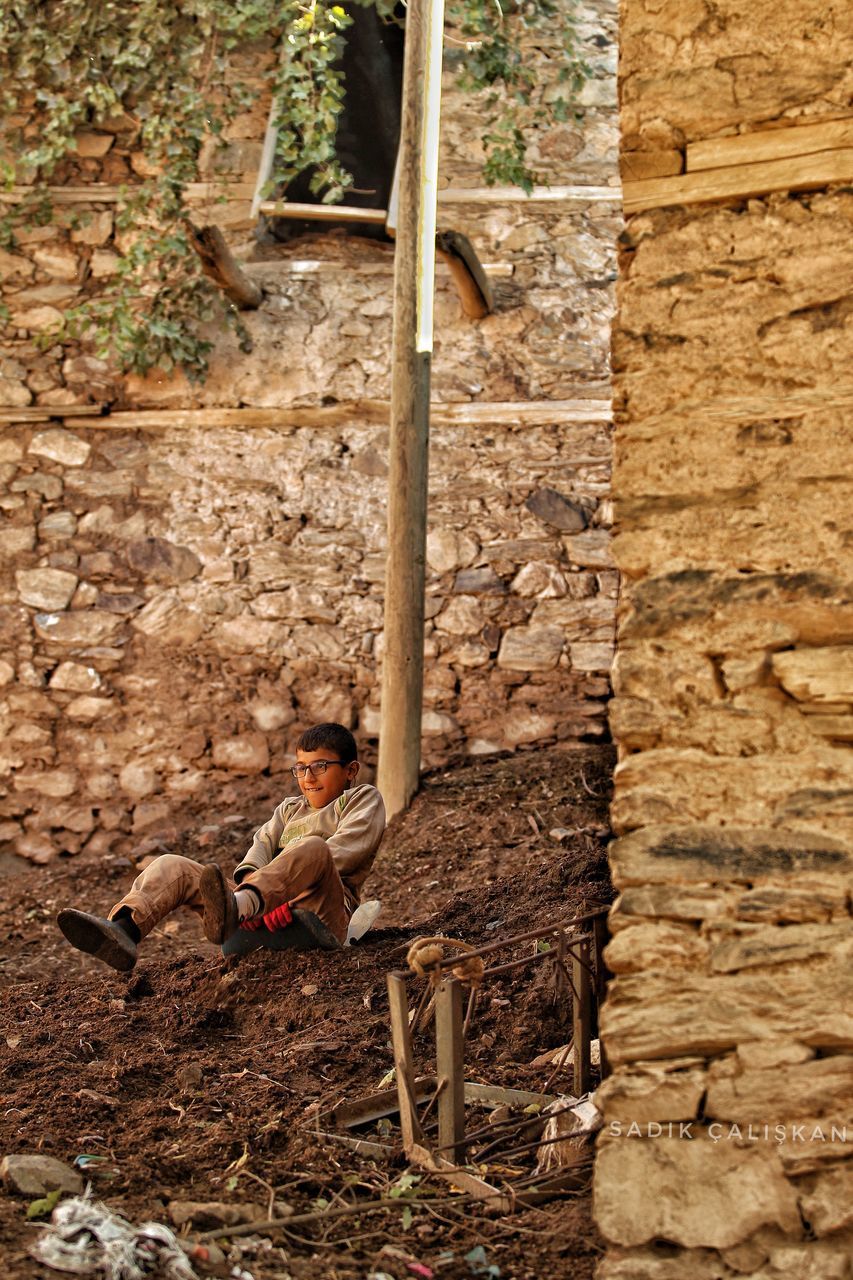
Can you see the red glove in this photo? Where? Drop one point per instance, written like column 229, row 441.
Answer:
column 279, row 917
column 255, row 922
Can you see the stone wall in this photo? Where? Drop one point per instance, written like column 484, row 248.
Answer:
column 728, row 1024
column 179, row 596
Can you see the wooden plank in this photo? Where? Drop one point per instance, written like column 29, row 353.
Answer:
column 450, row 1068
column 45, row 413
column 375, row 1105
column 330, row 266
column 769, row 144
column 362, row 1146
column 793, row 173
column 403, row 1063
column 539, row 195
column 321, row 212
column 495, row 1095
column 582, row 1017
column 104, row 193
column 461, row 1179
column 496, row 413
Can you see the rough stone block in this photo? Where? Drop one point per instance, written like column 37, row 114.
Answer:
column 48, row 589
column 590, row 549
column 87, row 708
column 158, row 560
column 16, row 539
column 36, row 1175
column 57, row 260
column 645, row 1017
column 448, row 550
column 591, row 657
column 58, row 524
column 553, row 509
column 586, row 621
column 463, row 616
column 37, row 319
column 531, row 648
column 751, row 612
column 541, row 579
column 248, row 635
column 95, row 228
column 689, row 855
column 816, row 675
column 79, row 628
column 816, row 1087
column 13, row 393
column 91, row 144
column 803, row 789
column 692, row 1192
column 244, row 753
column 168, row 620
column 139, row 779
column 828, row 1205
column 54, row 783
column 658, row 945
column 745, row 946
column 75, row 677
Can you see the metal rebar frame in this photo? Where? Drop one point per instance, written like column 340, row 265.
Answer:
column 577, row 959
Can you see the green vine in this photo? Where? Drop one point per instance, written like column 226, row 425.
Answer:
column 158, row 73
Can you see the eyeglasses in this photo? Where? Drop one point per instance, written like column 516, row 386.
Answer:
column 315, row 768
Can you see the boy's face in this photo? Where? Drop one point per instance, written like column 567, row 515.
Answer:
column 323, row 788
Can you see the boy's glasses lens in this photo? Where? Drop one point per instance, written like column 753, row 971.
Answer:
column 315, row 768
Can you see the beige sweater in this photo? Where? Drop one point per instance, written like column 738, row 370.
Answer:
column 352, row 826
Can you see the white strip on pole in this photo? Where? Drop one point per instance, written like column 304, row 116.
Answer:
column 429, row 188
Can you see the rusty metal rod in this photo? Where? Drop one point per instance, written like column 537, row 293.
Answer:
column 523, row 960
column 451, row 961
column 601, row 910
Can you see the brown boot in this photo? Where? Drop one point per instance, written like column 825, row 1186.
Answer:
column 103, row 939
column 221, row 917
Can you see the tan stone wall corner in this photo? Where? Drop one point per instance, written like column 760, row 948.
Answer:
column 728, row 1132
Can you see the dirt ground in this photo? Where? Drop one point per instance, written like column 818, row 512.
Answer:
column 200, row 1079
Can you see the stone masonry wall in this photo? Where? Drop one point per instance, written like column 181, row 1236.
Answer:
column 177, row 600
column 728, row 1121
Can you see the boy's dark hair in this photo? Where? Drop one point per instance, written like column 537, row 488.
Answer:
column 329, row 737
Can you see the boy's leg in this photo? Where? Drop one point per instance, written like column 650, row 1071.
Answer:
column 167, row 883
column 305, row 876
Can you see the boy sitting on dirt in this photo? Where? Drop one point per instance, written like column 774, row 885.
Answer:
column 309, row 861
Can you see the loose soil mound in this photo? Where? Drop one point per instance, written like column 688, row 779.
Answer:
column 197, row 1079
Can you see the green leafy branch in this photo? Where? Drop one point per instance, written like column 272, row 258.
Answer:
column 158, row 72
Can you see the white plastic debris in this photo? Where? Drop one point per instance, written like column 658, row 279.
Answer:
column 87, row 1239
column 363, row 918
column 569, row 1123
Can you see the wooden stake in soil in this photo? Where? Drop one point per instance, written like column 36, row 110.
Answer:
column 414, row 279
column 450, row 1068
column 401, row 1039
column 582, row 1015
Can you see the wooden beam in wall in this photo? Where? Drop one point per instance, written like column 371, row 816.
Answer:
column 788, row 159
column 507, row 413
column 769, row 144
column 202, row 192
column 103, row 193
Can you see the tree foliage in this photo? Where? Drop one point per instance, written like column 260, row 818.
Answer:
column 157, row 68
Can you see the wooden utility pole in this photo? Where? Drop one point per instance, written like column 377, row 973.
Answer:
column 414, row 275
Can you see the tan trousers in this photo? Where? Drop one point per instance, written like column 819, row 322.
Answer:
column 304, row 875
